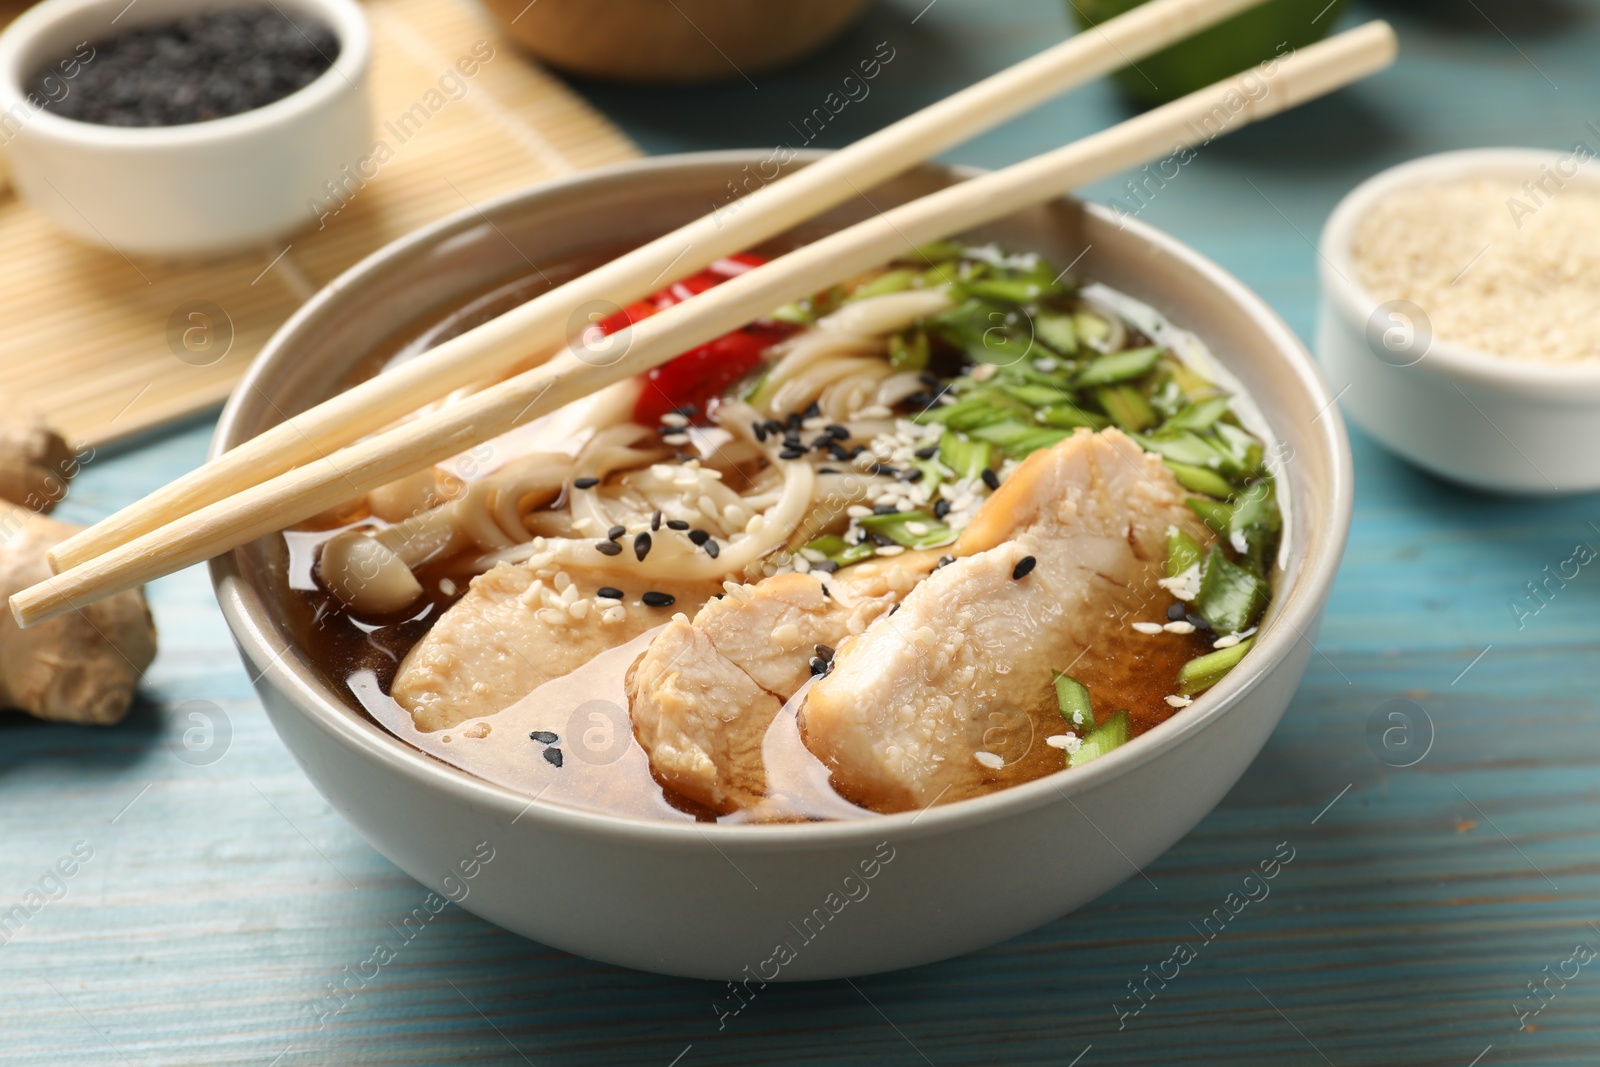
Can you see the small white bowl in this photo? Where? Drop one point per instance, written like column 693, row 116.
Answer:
column 200, row 188
column 1504, row 425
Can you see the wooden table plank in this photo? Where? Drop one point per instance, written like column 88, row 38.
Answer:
column 220, row 904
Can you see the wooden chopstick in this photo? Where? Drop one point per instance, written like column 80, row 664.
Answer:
column 541, row 326
column 299, row 494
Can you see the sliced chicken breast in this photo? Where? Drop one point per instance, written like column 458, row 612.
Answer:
column 1064, row 555
column 704, row 693
column 517, row 628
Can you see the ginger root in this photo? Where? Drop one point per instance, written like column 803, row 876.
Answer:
column 82, row 667
column 35, row 463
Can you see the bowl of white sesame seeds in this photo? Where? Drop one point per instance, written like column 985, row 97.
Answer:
column 1458, row 320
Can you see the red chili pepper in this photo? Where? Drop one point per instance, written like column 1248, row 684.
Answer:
column 703, row 373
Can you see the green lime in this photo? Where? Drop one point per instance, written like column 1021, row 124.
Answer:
column 1275, row 28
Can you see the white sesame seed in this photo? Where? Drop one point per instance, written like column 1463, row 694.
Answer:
column 1181, row 626
column 787, row 634
column 673, row 418
column 675, row 439
column 561, row 581
column 989, row 759
column 447, row 587
column 678, row 616
column 1227, row 642
column 802, row 565
column 916, row 529
column 614, row 614
column 813, row 555
column 924, row 635
column 552, row 616
column 1179, row 702
column 1058, row 741
column 984, row 371
column 858, row 511
column 579, row 609
column 890, row 550
column 1147, row 627
column 736, row 590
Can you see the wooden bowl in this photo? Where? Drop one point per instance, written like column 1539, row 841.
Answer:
column 672, row 42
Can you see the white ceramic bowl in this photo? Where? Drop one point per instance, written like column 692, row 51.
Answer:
column 717, row 901
column 201, row 188
column 1504, row 425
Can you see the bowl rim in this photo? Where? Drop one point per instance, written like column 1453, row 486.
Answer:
column 1565, row 382
column 1296, row 611
column 343, row 17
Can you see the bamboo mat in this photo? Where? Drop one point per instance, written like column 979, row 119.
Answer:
column 107, row 347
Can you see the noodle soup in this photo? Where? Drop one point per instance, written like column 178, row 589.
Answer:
column 952, row 525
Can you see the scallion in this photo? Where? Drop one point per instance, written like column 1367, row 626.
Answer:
column 1203, row 672
column 1102, row 739
column 1072, row 697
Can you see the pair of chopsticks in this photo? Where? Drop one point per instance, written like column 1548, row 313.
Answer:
column 309, row 464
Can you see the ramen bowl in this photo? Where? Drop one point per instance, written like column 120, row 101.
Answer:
column 810, row 900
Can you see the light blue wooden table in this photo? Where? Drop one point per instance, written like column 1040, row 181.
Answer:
column 221, row 900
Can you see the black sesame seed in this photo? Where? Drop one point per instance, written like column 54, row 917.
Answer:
column 930, row 380
column 655, row 521
column 827, row 566
column 774, row 426
column 926, row 452
column 883, row 468
column 759, row 430
column 1198, row 623
column 791, row 453
column 1177, row 610
column 885, row 509
column 654, row 599
column 712, row 549
column 826, row 470
column 894, row 609
column 825, row 653
column 990, row 478
column 668, row 431
column 825, row 591
column 793, row 421
column 945, row 561
column 1024, row 567
column 544, row 737
column 839, row 452
column 552, row 756
column 822, row 440
column 921, row 400
column 819, row 667
column 699, row 537
column 585, row 483
column 941, row 509
column 677, row 524
column 615, row 532
column 881, row 540
column 811, row 412
column 911, row 474
column 833, row 429
column 641, row 546
column 608, row 548
column 609, row 592
column 688, row 411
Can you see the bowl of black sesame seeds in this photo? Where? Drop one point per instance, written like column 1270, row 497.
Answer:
column 179, row 128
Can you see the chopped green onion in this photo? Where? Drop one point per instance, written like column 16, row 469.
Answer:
column 1183, row 552
column 1102, row 739
column 798, row 313
column 752, row 388
column 1091, row 327
column 966, row 457
column 1240, row 446
column 841, row 551
column 908, row 355
column 1057, row 331
column 889, row 282
column 1254, row 527
column 1200, row 416
column 1200, row 480
column 1214, row 513
column 1004, row 434
column 1231, row 597
column 1070, row 416
column 1182, row 446
column 1034, row 394
column 981, row 409
column 1127, row 407
column 1014, row 290
column 1120, row 366
column 895, row 526
column 1205, row 671
column 1072, row 697
column 937, row 252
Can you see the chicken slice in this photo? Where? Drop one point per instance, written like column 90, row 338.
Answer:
column 704, row 693
column 901, row 718
column 514, row 630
